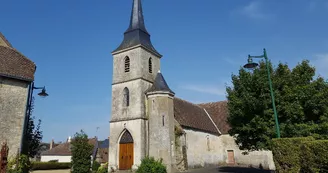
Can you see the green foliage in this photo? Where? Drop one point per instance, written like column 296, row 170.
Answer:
column 95, row 166
column 103, row 169
column 150, row 165
column 18, row 166
column 34, row 134
column 314, row 157
column 81, row 153
column 301, row 102
column 286, row 153
column 50, row 165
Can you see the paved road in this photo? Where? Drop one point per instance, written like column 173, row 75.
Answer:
column 228, row 170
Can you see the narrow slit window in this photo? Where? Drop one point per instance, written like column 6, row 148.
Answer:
column 126, row 97
column 150, row 65
column 163, row 119
column 127, row 64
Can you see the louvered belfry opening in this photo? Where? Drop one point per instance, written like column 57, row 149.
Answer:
column 150, row 65
column 127, row 64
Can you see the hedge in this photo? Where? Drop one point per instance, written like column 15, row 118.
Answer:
column 50, row 165
column 286, row 153
column 314, row 156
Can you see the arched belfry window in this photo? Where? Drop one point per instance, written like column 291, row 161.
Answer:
column 126, row 97
column 127, row 64
column 126, row 138
column 150, row 65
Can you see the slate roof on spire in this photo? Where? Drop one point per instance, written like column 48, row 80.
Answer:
column 137, row 33
column 159, row 84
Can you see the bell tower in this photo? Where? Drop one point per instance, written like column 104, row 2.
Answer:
column 135, row 65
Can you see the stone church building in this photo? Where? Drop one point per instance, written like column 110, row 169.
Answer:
column 148, row 120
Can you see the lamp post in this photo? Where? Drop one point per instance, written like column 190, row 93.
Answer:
column 250, row 64
column 24, row 142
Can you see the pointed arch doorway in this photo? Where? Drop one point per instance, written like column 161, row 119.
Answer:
column 126, row 151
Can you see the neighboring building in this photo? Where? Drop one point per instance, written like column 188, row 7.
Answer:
column 44, row 147
column 16, row 77
column 147, row 120
column 62, row 152
column 102, row 153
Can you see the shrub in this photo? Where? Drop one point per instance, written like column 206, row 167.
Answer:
column 18, row 166
column 286, row 153
column 314, row 156
column 102, row 169
column 50, row 165
column 81, row 153
column 95, row 166
column 150, row 165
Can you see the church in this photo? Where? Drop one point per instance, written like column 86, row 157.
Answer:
column 148, row 120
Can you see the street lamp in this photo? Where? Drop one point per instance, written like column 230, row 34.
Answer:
column 43, row 93
column 250, row 65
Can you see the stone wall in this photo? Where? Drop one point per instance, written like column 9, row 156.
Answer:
column 204, row 149
column 13, row 99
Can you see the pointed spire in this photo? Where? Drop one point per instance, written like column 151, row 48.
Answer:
column 160, row 85
column 137, row 20
column 137, row 33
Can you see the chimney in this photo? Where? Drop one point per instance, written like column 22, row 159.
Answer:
column 52, row 143
column 69, row 139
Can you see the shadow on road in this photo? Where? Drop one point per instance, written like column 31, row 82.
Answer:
column 242, row 170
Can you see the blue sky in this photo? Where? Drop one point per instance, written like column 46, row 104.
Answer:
column 202, row 42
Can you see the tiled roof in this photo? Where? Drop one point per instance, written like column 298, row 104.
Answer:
column 193, row 116
column 4, row 41
column 13, row 64
column 159, row 84
column 219, row 113
column 64, row 149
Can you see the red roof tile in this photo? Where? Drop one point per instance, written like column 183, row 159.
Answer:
column 64, row 149
column 192, row 116
column 219, row 113
column 13, row 64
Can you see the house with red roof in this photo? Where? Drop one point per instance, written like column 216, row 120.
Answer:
column 16, row 80
column 62, row 152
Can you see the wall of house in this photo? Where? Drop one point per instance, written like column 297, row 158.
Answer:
column 13, row 99
column 204, row 149
column 255, row 158
column 64, row 159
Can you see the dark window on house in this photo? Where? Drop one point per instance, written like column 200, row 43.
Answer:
column 126, row 97
column 150, row 65
column 127, row 64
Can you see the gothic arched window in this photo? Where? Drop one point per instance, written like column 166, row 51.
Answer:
column 126, row 97
column 127, row 64
column 150, row 65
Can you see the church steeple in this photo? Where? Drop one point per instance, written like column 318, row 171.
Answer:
column 137, row 33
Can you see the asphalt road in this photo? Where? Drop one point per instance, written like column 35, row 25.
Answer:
column 228, row 170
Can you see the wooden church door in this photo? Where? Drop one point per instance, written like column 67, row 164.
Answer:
column 126, row 151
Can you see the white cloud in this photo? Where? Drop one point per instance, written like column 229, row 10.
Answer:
column 253, row 10
column 206, row 89
column 321, row 62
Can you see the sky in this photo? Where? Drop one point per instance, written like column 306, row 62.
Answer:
column 202, row 42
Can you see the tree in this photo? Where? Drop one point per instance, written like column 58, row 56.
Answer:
column 301, row 102
column 34, row 134
column 81, row 153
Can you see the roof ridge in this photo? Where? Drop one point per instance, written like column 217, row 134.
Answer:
column 222, row 101
column 188, row 102
column 5, row 40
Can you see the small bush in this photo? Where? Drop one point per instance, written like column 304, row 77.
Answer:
column 150, row 165
column 314, row 156
column 50, row 165
column 102, row 169
column 95, row 165
column 286, row 153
